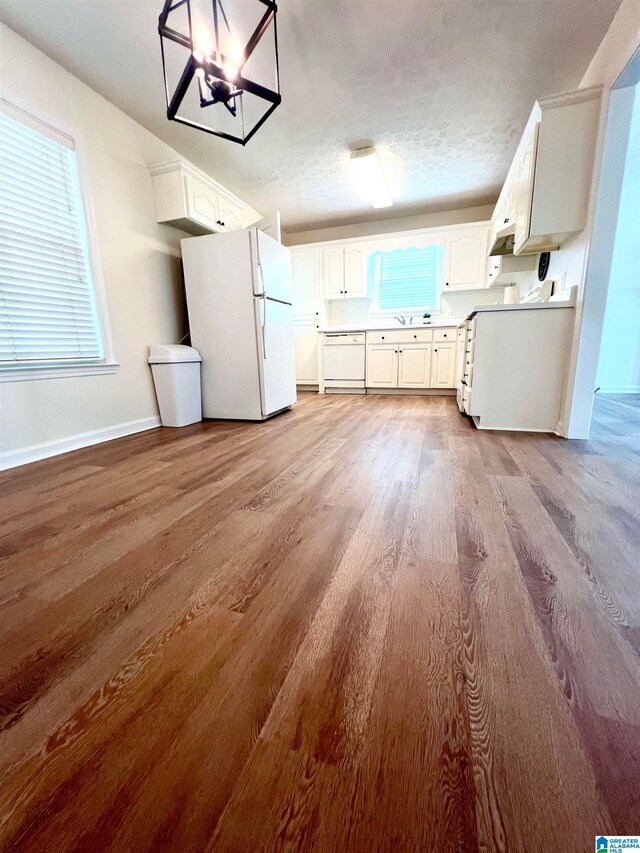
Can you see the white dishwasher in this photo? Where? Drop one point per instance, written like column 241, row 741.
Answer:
column 343, row 362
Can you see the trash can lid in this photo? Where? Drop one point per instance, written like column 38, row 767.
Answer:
column 172, row 354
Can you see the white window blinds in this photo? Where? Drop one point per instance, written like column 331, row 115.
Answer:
column 47, row 301
column 409, row 278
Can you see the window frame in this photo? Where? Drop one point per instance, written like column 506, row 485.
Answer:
column 108, row 363
column 408, row 242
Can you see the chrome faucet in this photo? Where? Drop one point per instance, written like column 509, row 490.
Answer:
column 401, row 320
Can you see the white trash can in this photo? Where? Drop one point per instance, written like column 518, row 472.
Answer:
column 176, row 375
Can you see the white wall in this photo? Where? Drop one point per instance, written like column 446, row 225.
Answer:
column 140, row 261
column 619, row 367
column 586, row 259
column 437, row 219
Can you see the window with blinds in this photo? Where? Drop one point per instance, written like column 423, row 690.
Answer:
column 48, row 312
column 408, row 278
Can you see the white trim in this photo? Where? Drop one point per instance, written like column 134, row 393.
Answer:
column 476, row 421
column 76, row 143
column 412, row 392
column 18, row 374
column 619, row 389
column 24, row 455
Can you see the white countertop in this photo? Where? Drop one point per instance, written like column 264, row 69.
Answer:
column 522, row 306
column 450, row 322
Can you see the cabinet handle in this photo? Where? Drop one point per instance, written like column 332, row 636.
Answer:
column 415, row 336
column 396, row 351
column 435, row 350
column 506, row 220
column 382, row 337
column 317, row 312
column 400, row 351
column 446, row 284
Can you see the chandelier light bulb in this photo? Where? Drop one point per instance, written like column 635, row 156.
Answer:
column 203, row 45
column 236, row 52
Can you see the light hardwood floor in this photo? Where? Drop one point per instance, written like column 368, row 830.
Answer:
column 360, row 626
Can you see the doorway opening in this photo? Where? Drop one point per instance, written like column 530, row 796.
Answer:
column 613, row 278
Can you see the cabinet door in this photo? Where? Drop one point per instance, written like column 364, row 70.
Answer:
column 466, row 261
column 229, row 214
column 443, row 365
column 305, row 275
column 307, row 342
column 334, row 273
column 414, row 366
column 523, row 190
column 355, row 271
column 382, row 366
column 202, row 203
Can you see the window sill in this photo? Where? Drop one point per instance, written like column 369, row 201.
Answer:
column 30, row 373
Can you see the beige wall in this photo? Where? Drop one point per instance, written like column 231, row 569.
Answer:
column 389, row 226
column 140, row 262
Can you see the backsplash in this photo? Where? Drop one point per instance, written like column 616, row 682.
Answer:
column 454, row 305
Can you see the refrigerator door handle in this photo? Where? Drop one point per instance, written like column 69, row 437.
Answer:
column 263, row 323
column 261, row 278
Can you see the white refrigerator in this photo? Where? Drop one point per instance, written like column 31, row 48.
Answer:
column 239, row 295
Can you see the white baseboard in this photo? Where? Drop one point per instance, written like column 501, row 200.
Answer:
column 619, row 389
column 414, row 392
column 13, row 458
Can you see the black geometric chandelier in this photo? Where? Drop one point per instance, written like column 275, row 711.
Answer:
column 221, row 71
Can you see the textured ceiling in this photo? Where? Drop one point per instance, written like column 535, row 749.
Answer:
column 442, row 88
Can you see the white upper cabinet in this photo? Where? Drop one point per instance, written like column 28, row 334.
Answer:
column 334, row 272
column 345, row 271
column 306, row 269
column 188, row 198
column 525, row 172
column 229, row 215
column 201, row 203
column 549, row 182
column 466, row 259
column 356, row 259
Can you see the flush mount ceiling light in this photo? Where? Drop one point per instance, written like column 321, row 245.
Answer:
column 220, row 67
column 370, row 177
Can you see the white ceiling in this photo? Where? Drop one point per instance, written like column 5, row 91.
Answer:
column 442, row 88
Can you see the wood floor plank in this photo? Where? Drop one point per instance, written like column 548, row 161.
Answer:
column 519, row 722
column 582, row 640
column 361, row 625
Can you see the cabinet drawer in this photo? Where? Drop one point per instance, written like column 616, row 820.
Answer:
column 466, row 400
column 470, row 351
column 442, row 335
column 404, row 336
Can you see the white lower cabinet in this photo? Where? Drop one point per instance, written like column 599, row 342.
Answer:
column 412, row 358
column 307, row 342
column 443, row 365
column 382, row 365
column 414, row 365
